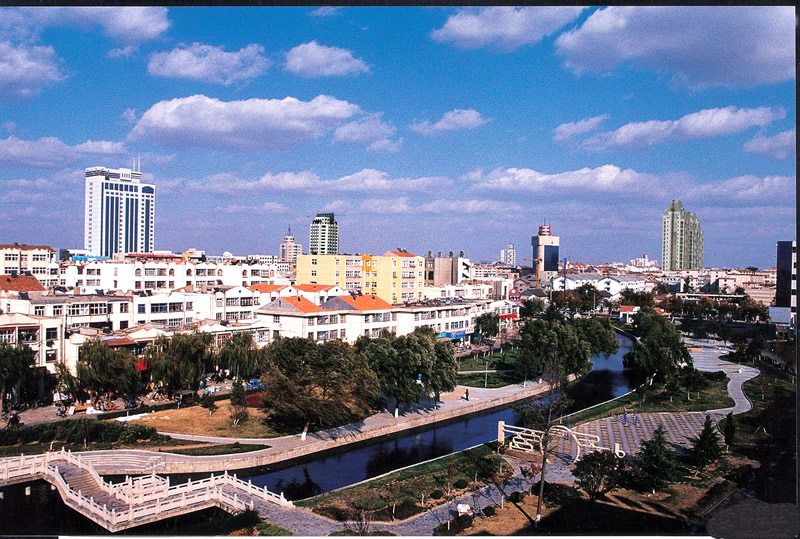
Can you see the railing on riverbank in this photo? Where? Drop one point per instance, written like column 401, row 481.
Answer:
column 135, row 501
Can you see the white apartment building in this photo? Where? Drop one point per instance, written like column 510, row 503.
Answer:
column 576, row 280
column 324, row 235
column 119, row 212
column 508, row 255
column 38, row 260
column 615, row 284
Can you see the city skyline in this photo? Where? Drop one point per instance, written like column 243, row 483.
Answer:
column 422, row 128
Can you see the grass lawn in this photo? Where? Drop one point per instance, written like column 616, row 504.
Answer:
column 412, row 483
column 713, row 397
column 195, row 420
column 501, row 360
column 495, row 379
column 218, row 449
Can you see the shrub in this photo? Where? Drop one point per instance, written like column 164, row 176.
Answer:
column 461, row 483
column 516, row 496
column 489, row 511
column 236, row 445
column 436, row 494
column 464, row 521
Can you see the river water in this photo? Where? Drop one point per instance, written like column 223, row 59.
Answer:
column 44, row 513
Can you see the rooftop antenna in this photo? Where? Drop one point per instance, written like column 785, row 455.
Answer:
column 139, row 165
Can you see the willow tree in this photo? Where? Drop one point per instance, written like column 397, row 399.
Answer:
column 102, row 369
column 240, row 356
column 180, row 362
column 316, row 385
column 15, row 371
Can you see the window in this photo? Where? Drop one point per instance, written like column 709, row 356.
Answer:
column 58, row 310
column 313, row 273
column 98, row 308
column 230, row 302
column 77, row 309
column 175, row 307
column 38, row 310
column 123, row 307
column 158, row 308
column 189, row 305
column 313, row 261
column 51, row 334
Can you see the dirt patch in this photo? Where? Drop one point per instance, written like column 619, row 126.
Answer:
column 196, row 420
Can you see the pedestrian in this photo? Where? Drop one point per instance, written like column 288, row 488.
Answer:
column 466, row 394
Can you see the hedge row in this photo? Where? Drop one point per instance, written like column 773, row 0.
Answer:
column 75, row 432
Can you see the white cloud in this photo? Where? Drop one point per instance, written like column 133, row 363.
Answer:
column 372, row 180
column 702, row 46
column 778, row 146
column 470, row 206
column 567, row 131
column 21, row 197
column 25, row 70
column 129, row 115
column 51, row 152
column 703, row 124
column 326, row 11
column 366, row 180
column 746, row 189
column 315, row 60
column 123, row 52
column 383, row 206
column 9, row 126
column 101, row 147
column 504, row 28
column 606, row 178
column 128, row 24
column 336, row 205
column 267, row 207
column 253, row 124
column 370, row 129
column 46, row 152
column 209, row 64
column 455, row 120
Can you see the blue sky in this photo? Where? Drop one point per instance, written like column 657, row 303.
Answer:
column 424, row 128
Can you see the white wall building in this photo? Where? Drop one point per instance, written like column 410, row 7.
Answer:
column 119, row 212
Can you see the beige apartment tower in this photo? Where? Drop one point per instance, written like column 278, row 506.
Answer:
column 682, row 243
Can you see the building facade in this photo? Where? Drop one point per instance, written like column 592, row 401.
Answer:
column 324, row 237
column 786, row 278
column 119, row 212
column 38, row 260
column 509, row 255
column 289, row 250
column 545, row 254
column 682, row 239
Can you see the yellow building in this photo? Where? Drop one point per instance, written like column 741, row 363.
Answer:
column 395, row 277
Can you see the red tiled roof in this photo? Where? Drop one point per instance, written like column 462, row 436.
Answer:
column 627, row 308
column 313, row 287
column 367, row 302
column 399, row 253
column 266, row 287
column 24, row 247
column 20, row 283
column 120, row 341
column 302, row 304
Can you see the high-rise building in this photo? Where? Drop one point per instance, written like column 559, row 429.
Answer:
column 119, row 212
column 682, row 244
column 786, row 277
column 508, row 255
column 324, row 238
column 289, row 249
column 545, row 254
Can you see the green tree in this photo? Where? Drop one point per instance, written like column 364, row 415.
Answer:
column 397, row 362
column 706, row 448
column 441, row 374
column 207, row 402
column 102, row 369
column 530, row 307
column 754, row 348
column 585, row 297
column 488, row 324
column 240, row 355
column 659, row 349
column 317, row 385
column 238, row 402
column 730, row 429
column 599, row 473
column 657, row 464
column 180, row 362
column 629, row 296
column 15, row 371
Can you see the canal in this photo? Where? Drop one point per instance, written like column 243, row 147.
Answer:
column 345, row 467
